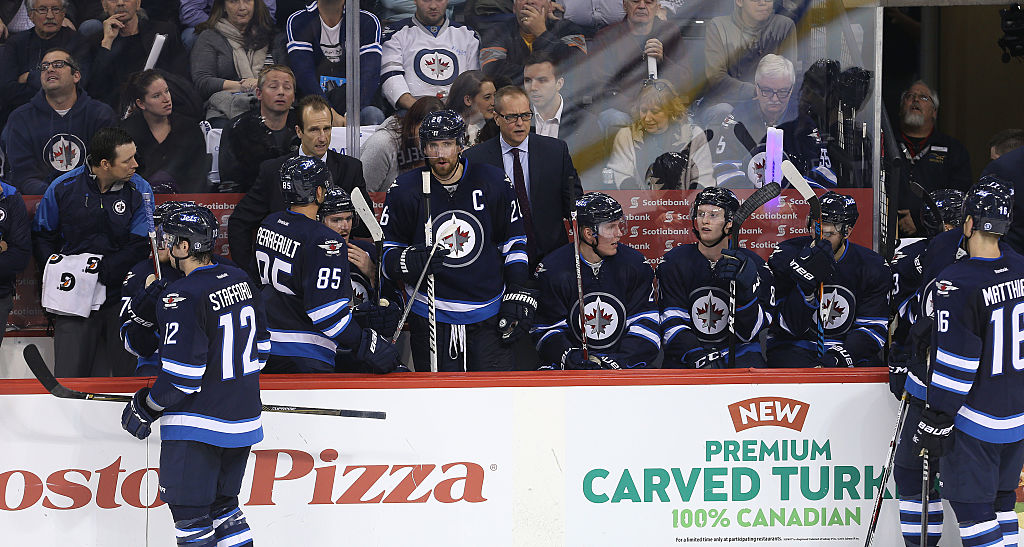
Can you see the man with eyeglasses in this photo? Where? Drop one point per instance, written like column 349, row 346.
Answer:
column 46, row 137
column 694, row 285
column 932, row 159
column 20, row 57
column 853, row 307
column 479, row 266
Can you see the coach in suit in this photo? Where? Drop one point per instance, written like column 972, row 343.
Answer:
column 545, row 179
column 265, row 197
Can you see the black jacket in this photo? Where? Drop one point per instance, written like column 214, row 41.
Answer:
column 128, row 55
column 942, row 162
column 265, row 197
column 246, row 143
column 181, row 160
column 15, row 231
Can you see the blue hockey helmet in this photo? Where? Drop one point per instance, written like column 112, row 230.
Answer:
column 195, row 224
column 167, row 208
column 990, row 204
column 300, row 177
column 336, row 201
column 596, row 208
column 442, row 125
column 719, row 197
column 950, row 203
column 838, row 209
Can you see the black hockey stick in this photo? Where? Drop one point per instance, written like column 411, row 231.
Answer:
column 428, row 233
column 743, row 135
column 887, row 471
column 796, row 180
column 579, row 282
column 42, row 373
column 926, row 487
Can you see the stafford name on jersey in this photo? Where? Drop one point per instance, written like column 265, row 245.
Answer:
column 232, row 294
column 277, row 242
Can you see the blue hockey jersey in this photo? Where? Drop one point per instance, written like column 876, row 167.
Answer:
column 480, row 224
column 978, row 372
column 695, row 308
column 621, row 317
column 214, row 343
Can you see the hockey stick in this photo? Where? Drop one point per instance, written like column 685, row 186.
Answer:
column 423, row 273
column 42, row 373
column 365, row 214
column 926, row 487
column 743, row 135
column 796, row 180
column 579, row 283
column 150, row 204
column 428, row 237
column 887, row 471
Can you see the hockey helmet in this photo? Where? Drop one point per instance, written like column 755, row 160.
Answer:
column 950, row 203
column 990, row 203
column 336, row 201
column 195, row 224
column 442, row 125
column 667, row 170
column 838, row 209
column 719, row 197
column 167, row 208
column 597, row 208
column 300, row 177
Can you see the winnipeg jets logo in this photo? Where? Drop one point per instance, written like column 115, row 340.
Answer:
column 436, row 66
column 64, row 151
column 359, row 292
column 3, row 214
column 709, row 312
column 603, row 319
column 838, row 310
column 945, row 287
column 462, row 234
column 755, row 169
column 172, row 300
column 332, row 247
column 120, row 207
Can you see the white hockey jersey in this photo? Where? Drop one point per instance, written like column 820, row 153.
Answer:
column 415, row 61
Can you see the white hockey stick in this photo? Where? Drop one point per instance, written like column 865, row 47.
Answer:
column 797, row 181
column 365, row 214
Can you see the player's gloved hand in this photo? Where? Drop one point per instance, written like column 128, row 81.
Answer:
column 897, row 371
column 142, row 307
column 377, row 353
column 704, row 358
column 814, row 266
column 735, row 266
column 572, row 359
column 836, row 356
column 415, row 258
column 515, row 317
column 382, row 319
column 933, row 432
column 138, row 415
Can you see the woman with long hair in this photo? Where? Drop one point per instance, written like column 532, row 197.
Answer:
column 395, row 147
column 660, row 125
column 231, row 48
column 171, row 150
column 472, row 96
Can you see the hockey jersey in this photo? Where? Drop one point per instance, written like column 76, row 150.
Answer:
column 856, row 299
column 214, row 344
column 619, row 312
column 695, row 308
column 977, row 374
column 417, row 61
column 907, row 269
column 305, row 274
column 480, row 224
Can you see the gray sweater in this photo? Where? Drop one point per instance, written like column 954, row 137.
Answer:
column 212, row 62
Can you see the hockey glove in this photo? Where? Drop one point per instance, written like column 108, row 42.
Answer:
column 142, row 307
column 704, row 358
column 412, row 260
column 515, row 317
column 138, row 415
column 379, row 318
column 814, row 266
column 933, row 432
column 835, row 357
column 897, row 371
column 377, row 353
column 572, row 359
column 737, row 267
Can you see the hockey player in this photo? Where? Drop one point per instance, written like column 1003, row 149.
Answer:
column 622, row 325
column 855, row 284
column 207, row 394
column 481, row 271
column 976, row 392
column 304, row 269
column 694, row 283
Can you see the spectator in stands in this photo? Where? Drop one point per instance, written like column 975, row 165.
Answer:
column 395, row 10
column 395, row 147
column 472, row 96
column 96, row 209
column 15, row 247
column 423, row 54
column 933, row 160
column 197, row 12
column 265, row 132
column 1004, row 141
column 314, row 129
column 316, row 52
column 231, row 47
column 19, row 77
column 13, row 18
column 735, row 43
column 555, row 117
column 618, row 63
column 127, row 40
column 47, row 136
column 594, row 15
column 505, row 46
column 171, row 149
column 660, row 126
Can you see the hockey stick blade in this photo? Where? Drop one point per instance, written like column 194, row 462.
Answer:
column 366, row 215
column 756, row 200
column 47, row 379
column 798, row 182
column 743, row 135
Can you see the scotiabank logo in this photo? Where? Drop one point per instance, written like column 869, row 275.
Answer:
column 274, row 471
column 777, row 411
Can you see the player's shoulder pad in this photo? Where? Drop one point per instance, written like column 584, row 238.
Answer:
column 681, row 256
column 628, row 255
column 867, row 256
